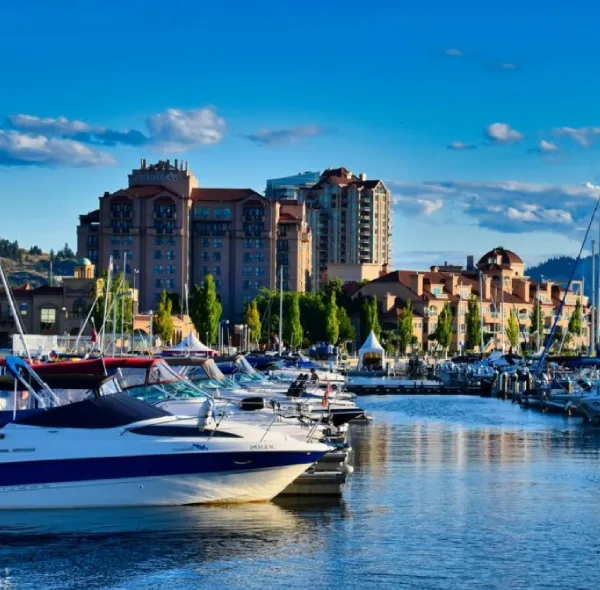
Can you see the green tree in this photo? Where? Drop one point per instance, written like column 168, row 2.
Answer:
column 575, row 324
column 162, row 320
column 370, row 317
column 473, row 321
column 346, row 329
column 537, row 324
column 292, row 328
column 206, row 310
column 405, row 326
column 252, row 320
column 443, row 332
column 512, row 328
column 332, row 326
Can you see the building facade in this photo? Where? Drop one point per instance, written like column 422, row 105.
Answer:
column 498, row 282
column 289, row 187
column 349, row 217
column 167, row 234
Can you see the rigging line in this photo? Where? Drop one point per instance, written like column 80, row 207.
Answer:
column 567, row 289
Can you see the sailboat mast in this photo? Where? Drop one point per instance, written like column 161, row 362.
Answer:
column 593, row 304
column 481, row 310
column 108, row 279
column 280, row 309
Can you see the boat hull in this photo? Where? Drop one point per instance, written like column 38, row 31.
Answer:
column 169, row 490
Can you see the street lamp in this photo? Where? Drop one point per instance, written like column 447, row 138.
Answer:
column 151, row 329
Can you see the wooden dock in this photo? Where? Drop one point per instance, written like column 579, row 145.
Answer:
column 414, row 388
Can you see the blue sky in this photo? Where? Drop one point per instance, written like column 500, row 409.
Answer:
column 481, row 117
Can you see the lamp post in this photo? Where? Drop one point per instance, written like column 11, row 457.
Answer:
column 151, row 330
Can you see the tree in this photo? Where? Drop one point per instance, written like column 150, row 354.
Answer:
column 512, row 328
column 473, row 320
column 332, row 326
column 575, row 324
column 163, row 321
column 292, row 328
column 405, row 326
column 537, row 324
column 175, row 300
column 370, row 317
column 35, row 250
column 443, row 332
column 252, row 320
column 346, row 329
column 206, row 309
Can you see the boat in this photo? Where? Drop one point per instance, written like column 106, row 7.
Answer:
column 116, row 450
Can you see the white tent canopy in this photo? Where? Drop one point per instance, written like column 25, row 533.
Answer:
column 191, row 343
column 371, row 353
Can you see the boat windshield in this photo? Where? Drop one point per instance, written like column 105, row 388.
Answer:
column 159, row 392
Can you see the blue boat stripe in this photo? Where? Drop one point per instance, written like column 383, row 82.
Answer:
column 98, row 468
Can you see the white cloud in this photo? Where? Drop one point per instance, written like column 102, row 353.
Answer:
column 459, row 145
column 21, row 149
column 547, row 146
column 509, row 207
column 584, row 136
column 502, row 133
column 48, row 126
column 273, row 137
column 453, row 52
column 180, row 130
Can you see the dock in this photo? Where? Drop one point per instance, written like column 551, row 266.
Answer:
column 414, row 388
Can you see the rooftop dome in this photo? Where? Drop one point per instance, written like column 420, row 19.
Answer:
column 83, row 262
column 501, row 256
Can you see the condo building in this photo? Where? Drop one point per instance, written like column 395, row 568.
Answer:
column 498, row 282
column 349, row 217
column 167, row 234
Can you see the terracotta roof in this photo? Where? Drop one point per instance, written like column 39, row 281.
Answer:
column 507, row 257
column 287, row 217
column 146, row 190
column 224, row 194
column 366, row 183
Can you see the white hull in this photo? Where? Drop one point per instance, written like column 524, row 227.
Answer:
column 174, row 490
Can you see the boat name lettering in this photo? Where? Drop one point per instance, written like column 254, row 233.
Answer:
column 261, row 447
column 194, row 447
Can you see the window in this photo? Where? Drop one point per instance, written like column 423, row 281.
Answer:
column 216, row 256
column 211, row 228
column 127, row 241
column 47, row 318
column 115, row 241
column 247, row 243
column 253, row 229
column 463, row 328
column 201, row 213
column 121, row 226
column 205, row 270
column 170, row 241
column 247, row 257
column 206, row 243
column 254, row 214
column 116, row 254
column 158, row 254
column 23, row 308
column 259, row 257
column 79, row 308
column 170, row 269
column 170, row 254
column 217, row 244
column 121, row 210
column 464, row 293
column 127, row 254
column 92, row 254
column 204, row 256
column 282, row 258
column 158, row 241
column 282, row 244
column 169, row 284
column 218, row 284
column 259, row 243
column 436, row 290
column 216, row 271
column 158, row 269
column 164, row 227
column 224, row 214
column 159, row 283
column 92, row 241
column 248, row 285
column 247, row 271
column 162, row 211
column 259, row 271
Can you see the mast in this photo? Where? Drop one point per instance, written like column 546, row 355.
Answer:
column 597, row 302
column 123, row 302
column 280, row 309
column 502, row 318
column 108, row 279
column 592, row 306
column 16, row 316
column 481, row 311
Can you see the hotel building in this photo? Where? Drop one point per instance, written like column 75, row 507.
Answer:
column 498, row 281
column 170, row 233
column 349, row 217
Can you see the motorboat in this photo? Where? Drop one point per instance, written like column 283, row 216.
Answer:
column 116, row 450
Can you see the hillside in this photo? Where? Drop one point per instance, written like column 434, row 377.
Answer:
column 559, row 269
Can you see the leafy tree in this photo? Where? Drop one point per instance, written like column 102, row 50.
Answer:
column 252, row 320
column 163, row 321
column 443, row 332
column 370, row 317
column 175, row 300
column 405, row 326
column 537, row 323
column 35, row 251
column 332, row 325
column 206, row 310
column 473, row 321
column 292, row 328
column 575, row 324
column 312, row 312
column 346, row 329
column 512, row 328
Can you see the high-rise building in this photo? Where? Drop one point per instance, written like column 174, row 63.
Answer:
column 170, row 233
column 349, row 217
column 289, row 187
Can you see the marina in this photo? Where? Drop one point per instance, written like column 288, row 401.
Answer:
column 447, row 492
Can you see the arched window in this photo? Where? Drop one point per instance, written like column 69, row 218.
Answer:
column 80, row 308
column 47, row 318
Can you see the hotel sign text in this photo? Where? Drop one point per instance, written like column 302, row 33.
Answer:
column 156, row 177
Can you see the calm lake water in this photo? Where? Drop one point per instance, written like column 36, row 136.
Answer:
column 448, row 492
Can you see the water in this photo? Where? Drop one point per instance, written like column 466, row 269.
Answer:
column 448, row 492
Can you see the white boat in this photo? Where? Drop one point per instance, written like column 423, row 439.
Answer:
column 116, row 450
